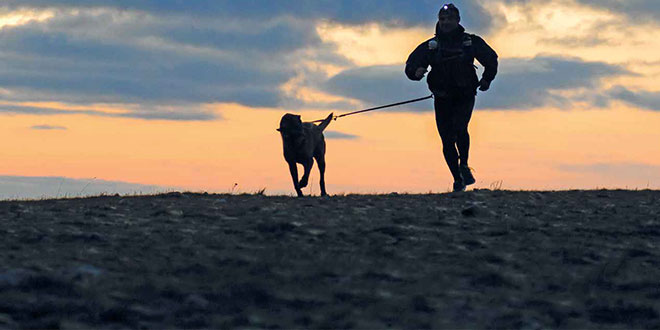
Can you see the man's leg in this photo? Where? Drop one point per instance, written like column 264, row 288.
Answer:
column 462, row 118
column 463, row 143
column 444, row 121
column 463, row 115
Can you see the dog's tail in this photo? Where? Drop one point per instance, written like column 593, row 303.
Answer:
column 326, row 122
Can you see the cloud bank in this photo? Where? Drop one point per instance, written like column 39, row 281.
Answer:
column 186, row 53
column 334, row 135
column 521, row 84
column 48, row 128
column 643, row 99
column 395, row 12
column 167, row 59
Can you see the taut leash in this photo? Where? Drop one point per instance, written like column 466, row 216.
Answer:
column 378, row 108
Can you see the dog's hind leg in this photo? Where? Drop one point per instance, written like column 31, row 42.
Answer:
column 308, row 169
column 319, row 155
column 294, row 175
column 320, row 160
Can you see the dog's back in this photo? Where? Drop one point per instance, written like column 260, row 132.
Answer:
column 301, row 139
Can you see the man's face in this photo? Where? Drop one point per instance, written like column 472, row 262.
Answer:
column 448, row 22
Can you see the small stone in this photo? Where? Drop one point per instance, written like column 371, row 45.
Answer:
column 7, row 320
column 316, row 232
column 176, row 213
column 146, row 312
column 86, row 270
column 421, row 304
column 470, row 211
column 73, row 325
column 196, row 301
column 15, row 208
column 13, row 277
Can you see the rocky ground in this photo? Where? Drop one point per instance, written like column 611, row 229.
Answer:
column 481, row 259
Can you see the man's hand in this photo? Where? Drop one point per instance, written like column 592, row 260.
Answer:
column 484, row 85
column 420, row 73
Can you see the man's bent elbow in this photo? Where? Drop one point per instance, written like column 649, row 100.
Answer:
column 411, row 74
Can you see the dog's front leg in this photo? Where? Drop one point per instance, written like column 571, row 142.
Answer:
column 308, row 169
column 294, row 175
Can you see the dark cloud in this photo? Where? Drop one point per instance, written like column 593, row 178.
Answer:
column 396, row 12
column 77, row 69
column 146, row 114
column 340, row 136
column 379, row 85
column 15, row 109
column 643, row 99
column 48, row 127
column 171, row 115
column 279, row 36
column 520, row 84
column 20, row 187
column 535, row 82
column 636, row 10
column 124, row 58
column 185, row 53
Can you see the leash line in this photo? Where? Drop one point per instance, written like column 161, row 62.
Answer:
column 378, row 108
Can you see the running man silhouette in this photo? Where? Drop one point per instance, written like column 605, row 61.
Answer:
column 454, row 82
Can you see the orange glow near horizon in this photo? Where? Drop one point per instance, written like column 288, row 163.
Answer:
column 395, row 151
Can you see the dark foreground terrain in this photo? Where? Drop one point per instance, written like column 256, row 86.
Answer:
column 481, row 259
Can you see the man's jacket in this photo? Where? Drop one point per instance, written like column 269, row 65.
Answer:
column 451, row 57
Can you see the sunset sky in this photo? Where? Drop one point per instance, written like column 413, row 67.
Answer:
column 124, row 96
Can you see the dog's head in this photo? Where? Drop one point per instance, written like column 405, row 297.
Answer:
column 291, row 126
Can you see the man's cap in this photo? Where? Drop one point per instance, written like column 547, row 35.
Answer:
column 449, row 8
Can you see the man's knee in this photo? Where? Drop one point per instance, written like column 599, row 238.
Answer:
column 448, row 137
column 463, row 132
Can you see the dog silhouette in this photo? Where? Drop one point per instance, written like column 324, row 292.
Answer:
column 302, row 143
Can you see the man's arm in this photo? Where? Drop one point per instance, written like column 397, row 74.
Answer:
column 488, row 58
column 418, row 62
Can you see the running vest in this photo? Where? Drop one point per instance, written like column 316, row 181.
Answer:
column 452, row 62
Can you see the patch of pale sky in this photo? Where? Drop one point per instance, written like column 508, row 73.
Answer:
column 529, row 25
column 312, row 95
column 373, row 44
column 300, row 87
column 23, row 16
column 568, row 29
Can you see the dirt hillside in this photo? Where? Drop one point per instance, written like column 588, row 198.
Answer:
column 481, row 259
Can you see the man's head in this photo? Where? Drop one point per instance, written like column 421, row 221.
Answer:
column 448, row 18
